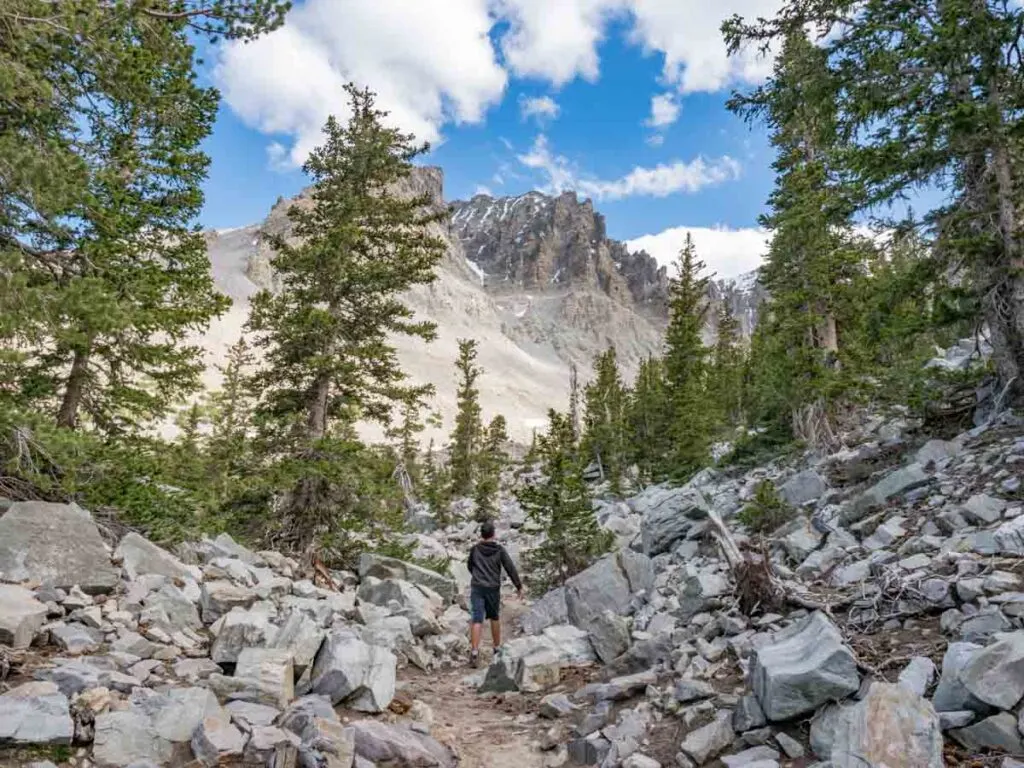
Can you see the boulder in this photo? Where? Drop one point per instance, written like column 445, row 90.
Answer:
column 249, row 714
column 404, row 599
column 667, row 515
column 75, row 639
column 950, row 694
column 806, row 665
column 1009, row 537
column 609, row 635
column 270, row 672
column 607, row 585
column 21, row 616
column 346, row 669
column 218, row 597
column 982, row 509
column 803, row 487
column 391, row 568
column 890, row 726
column 140, row 556
column 998, row 732
column 301, row 637
column 936, row 450
column 895, row 483
column 710, row 740
column 176, row 605
column 54, row 544
column 216, row 741
column 241, row 628
column 918, row 675
column 385, row 744
column 995, row 675
column 35, row 713
column 545, row 612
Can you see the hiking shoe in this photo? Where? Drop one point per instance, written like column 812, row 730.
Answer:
column 474, row 659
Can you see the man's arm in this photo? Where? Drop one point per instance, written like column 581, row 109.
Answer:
column 469, row 560
column 510, row 569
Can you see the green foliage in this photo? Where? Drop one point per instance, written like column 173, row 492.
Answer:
column 686, row 368
column 468, row 434
column 650, row 415
column 605, row 427
column 727, row 369
column 557, row 504
column 436, row 487
column 767, row 511
column 491, row 462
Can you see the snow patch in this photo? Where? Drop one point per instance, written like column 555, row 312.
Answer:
column 476, row 268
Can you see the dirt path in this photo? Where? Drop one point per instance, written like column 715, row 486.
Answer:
column 486, row 731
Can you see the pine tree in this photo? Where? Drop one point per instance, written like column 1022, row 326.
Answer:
column 405, row 434
column 491, row 462
column 605, row 435
column 328, row 357
column 558, row 505
column 727, row 368
column 686, row 367
column 108, row 273
column 468, row 434
column 231, row 413
column 649, row 415
column 436, row 487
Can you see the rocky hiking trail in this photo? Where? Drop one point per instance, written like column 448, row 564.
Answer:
column 881, row 626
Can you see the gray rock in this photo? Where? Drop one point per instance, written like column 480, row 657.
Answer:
column 984, row 509
column 983, row 625
column 54, row 544
column 918, row 675
column 35, row 713
column 895, row 483
column 800, row 538
column 805, row 666
column 637, row 760
column 180, row 610
column 219, row 597
column 609, row 634
column 216, row 741
column 268, row 671
column 891, row 726
column 1009, row 537
column 668, row 514
column 997, row 732
column 591, row 750
column 390, row 568
column 755, row 756
column 710, row 740
column 748, row 715
column 21, row 616
column 935, row 451
column 601, row 587
column 555, row 706
column 302, row 638
column 348, row 670
column 272, row 746
column 399, row 745
column 687, row 691
column 140, row 556
column 225, row 546
column 241, row 628
column 950, row 694
column 545, row 612
column 76, row 639
column 410, row 601
column 793, row 749
column 803, row 487
column 249, row 714
column 950, row 720
column 995, row 675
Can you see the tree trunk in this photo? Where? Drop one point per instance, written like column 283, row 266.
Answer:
column 74, row 390
column 316, row 418
column 1005, row 304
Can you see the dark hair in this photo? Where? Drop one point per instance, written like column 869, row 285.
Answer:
column 487, row 530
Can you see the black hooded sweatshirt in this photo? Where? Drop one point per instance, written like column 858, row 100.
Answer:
column 486, row 559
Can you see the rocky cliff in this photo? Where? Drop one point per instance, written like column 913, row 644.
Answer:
column 534, row 279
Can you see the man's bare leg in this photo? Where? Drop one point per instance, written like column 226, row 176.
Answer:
column 496, row 634
column 475, row 631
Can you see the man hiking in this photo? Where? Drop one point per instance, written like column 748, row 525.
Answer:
column 486, row 560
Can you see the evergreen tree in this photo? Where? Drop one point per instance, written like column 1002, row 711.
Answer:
column 492, row 461
column 813, row 259
column 230, row 415
column 405, row 434
column 928, row 95
column 107, row 273
column 328, row 357
column 574, row 402
column 605, row 429
column 558, row 505
column 436, row 487
column 727, row 368
column 686, row 367
column 468, row 434
column 650, row 416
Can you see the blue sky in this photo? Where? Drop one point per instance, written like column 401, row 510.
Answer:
column 623, row 100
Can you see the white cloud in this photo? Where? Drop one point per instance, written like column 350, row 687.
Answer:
column 556, row 41
column 483, row 189
column 662, row 180
column 664, row 110
column 429, row 61
column 542, row 108
column 727, row 252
